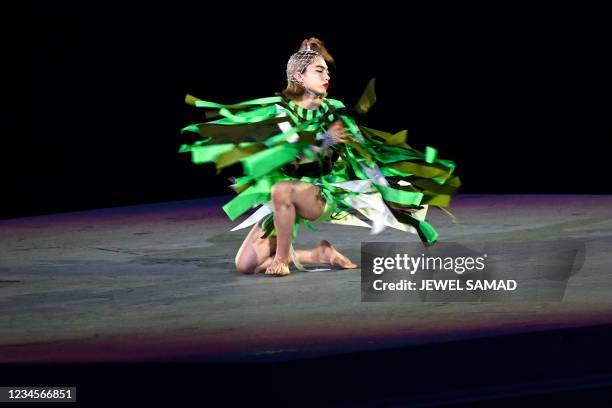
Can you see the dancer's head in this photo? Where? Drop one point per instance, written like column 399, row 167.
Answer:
column 307, row 71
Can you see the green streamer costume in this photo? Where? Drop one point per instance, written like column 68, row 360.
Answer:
column 375, row 174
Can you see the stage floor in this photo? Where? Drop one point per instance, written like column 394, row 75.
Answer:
column 157, row 282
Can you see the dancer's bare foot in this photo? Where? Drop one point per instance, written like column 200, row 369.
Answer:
column 278, row 268
column 329, row 254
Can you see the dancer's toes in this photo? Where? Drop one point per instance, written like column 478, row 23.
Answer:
column 330, row 255
column 343, row 262
column 277, row 268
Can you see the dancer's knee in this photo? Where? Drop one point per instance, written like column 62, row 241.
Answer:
column 281, row 192
column 244, row 265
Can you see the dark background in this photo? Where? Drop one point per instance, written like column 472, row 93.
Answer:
column 519, row 99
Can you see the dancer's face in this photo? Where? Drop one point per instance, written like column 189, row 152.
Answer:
column 316, row 76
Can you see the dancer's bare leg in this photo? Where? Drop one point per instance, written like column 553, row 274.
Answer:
column 255, row 251
column 291, row 198
column 324, row 253
column 257, row 254
column 303, row 199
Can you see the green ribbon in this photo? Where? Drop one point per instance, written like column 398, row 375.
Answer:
column 430, row 154
column 431, row 180
column 399, row 196
column 261, row 163
column 257, row 194
column 212, row 105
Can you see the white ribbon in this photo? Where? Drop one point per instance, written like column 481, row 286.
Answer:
column 258, row 215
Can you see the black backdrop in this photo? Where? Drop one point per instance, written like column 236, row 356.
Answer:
column 517, row 98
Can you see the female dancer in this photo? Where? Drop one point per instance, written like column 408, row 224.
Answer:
column 305, row 159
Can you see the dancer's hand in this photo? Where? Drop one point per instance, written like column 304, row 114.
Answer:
column 337, row 131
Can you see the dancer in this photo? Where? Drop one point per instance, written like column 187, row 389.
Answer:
column 306, row 159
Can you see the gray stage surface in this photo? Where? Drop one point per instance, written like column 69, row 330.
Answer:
column 157, row 283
